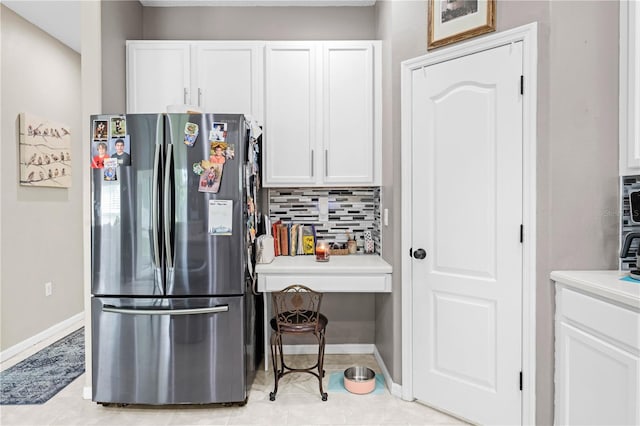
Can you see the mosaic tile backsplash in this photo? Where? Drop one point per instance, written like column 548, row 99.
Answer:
column 352, row 210
column 628, row 184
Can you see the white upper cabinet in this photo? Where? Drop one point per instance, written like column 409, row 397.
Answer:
column 320, row 101
column 227, row 77
column 219, row 77
column 348, row 113
column 291, row 125
column 322, row 123
column 629, row 88
column 158, row 74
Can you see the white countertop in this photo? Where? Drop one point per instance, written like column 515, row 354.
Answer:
column 356, row 264
column 602, row 283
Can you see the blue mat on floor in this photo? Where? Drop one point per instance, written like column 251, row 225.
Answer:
column 36, row 379
column 336, row 384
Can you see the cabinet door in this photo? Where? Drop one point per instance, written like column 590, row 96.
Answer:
column 227, row 77
column 290, row 107
column 348, row 113
column 629, row 88
column 596, row 382
column 157, row 76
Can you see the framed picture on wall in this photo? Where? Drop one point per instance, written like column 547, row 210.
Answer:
column 451, row 21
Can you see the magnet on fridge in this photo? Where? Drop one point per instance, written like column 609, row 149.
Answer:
column 110, row 169
column 210, row 177
column 118, row 127
column 230, row 152
column 217, row 153
column 197, row 168
column 191, row 131
column 218, row 133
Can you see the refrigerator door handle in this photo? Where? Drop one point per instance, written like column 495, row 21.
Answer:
column 155, row 207
column 191, row 311
column 167, row 205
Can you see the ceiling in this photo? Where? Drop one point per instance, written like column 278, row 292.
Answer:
column 61, row 18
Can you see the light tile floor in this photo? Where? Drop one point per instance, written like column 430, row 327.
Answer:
column 298, row 403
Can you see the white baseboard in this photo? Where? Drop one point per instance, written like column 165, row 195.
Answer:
column 333, row 349
column 34, row 340
column 86, row 392
column 394, row 388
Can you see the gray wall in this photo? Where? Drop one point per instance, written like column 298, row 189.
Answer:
column 580, row 159
column 402, row 27
column 258, row 23
column 577, row 153
column 41, row 227
column 387, row 320
column 121, row 21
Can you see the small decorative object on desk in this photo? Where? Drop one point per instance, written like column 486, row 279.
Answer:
column 368, row 242
column 352, row 245
column 322, row 251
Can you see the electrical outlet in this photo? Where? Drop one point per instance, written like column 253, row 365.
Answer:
column 48, row 288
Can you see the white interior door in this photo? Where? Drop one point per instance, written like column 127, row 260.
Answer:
column 467, row 215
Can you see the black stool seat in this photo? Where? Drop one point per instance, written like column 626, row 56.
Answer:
column 299, row 327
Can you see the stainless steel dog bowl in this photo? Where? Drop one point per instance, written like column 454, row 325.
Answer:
column 359, row 380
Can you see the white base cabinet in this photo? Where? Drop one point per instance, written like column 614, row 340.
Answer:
column 597, row 362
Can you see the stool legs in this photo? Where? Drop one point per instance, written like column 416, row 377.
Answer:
column 320, row 363
column 281, row 369
column 278, row 367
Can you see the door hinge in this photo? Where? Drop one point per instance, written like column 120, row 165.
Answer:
column 521, row 233
column 521, row 380
column 522, row 84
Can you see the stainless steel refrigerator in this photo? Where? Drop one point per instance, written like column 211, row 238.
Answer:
column 173, row 315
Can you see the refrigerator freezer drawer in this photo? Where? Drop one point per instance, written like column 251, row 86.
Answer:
column 168, row 351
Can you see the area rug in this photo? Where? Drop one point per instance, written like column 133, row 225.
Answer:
column 336, row 384
column 36, row 379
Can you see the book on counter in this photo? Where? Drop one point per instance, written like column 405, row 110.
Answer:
column 293, row 239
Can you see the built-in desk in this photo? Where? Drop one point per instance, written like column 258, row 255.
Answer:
column 341, row 274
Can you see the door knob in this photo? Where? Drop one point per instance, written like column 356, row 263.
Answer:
column 420, row 254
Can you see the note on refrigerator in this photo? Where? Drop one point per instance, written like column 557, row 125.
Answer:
column 220, row 217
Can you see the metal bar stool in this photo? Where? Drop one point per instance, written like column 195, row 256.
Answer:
column 296, row 311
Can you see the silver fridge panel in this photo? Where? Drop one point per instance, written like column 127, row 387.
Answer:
column 168, row 351
column 199, row 263
column 126, row 236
